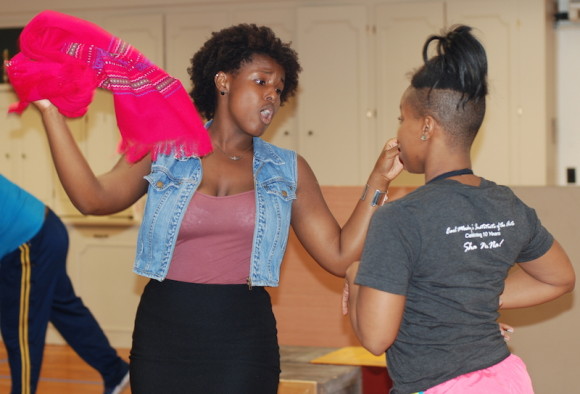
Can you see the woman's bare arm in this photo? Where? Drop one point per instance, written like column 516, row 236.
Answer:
column 111, row 192
column 540, row 280
column 375, row 315
column 333, row 247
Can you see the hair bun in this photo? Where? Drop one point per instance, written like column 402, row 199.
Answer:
column 460, row 64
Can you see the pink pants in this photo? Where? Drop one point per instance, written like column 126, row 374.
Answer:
column 507, row 377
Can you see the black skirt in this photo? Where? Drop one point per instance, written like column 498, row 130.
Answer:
column 198, row 338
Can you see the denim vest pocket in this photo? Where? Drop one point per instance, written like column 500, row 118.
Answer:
column 161, row 179
column 280, row 187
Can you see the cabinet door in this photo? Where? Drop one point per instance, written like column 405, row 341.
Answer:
column 495, row 150
column 185, row 34
column 9, row 123
column 333, row 127
column 282, row 132
column 100, row 264
column 25, row 156
column 513, row 146
column 402, row 28
column 144, row 32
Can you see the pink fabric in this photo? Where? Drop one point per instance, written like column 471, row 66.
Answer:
column 64, row 59
column 507, row 377
column 214, row 244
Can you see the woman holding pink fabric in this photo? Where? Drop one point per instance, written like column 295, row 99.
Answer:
column 215, row 227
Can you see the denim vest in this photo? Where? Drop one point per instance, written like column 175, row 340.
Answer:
column 172, row 183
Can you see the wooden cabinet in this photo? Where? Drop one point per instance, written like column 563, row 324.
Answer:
column 357, row 61
column 100, row 262
column 185, row 34
column 24, row 154
column 143, row 31
column 334, row 133
column 23, row 149
column 516, row 145
column 356, row 57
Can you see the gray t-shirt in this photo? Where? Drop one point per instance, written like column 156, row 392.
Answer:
column 448, row 247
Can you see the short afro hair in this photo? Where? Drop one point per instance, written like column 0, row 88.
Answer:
column 227, row 50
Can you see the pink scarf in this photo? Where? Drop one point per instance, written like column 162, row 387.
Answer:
column 64, row 59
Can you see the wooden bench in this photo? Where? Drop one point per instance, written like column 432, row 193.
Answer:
column 300, row 376
column 375, row 377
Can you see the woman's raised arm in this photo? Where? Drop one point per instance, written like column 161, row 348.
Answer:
column 333, row 247
column 111, row 192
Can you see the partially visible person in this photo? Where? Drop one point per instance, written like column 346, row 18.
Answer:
column 436, row 262
column 35, row 289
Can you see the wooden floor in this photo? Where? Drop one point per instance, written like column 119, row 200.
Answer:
column 63, row 372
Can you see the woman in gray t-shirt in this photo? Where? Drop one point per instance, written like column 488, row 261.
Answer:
column 435, row 262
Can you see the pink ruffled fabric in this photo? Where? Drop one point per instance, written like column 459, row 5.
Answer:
column 64, row 59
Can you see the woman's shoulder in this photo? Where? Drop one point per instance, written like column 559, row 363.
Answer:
column 268, row 145
column 266, row 150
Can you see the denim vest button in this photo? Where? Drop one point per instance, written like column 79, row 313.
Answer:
column 159, row 184
column 284, row 193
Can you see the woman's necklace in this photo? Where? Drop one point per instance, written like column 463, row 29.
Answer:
column 234, row 157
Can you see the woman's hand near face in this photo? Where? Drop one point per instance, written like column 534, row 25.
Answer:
column 388, row 165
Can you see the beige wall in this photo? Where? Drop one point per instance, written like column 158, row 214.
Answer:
column 307, row 303
column 546, row 336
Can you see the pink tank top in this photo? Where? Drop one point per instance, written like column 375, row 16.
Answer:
column 214, row 244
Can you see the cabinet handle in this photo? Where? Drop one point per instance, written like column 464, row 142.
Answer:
column 310, row 132
column 371, row 113
column 286, row 132
column 101, row 236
